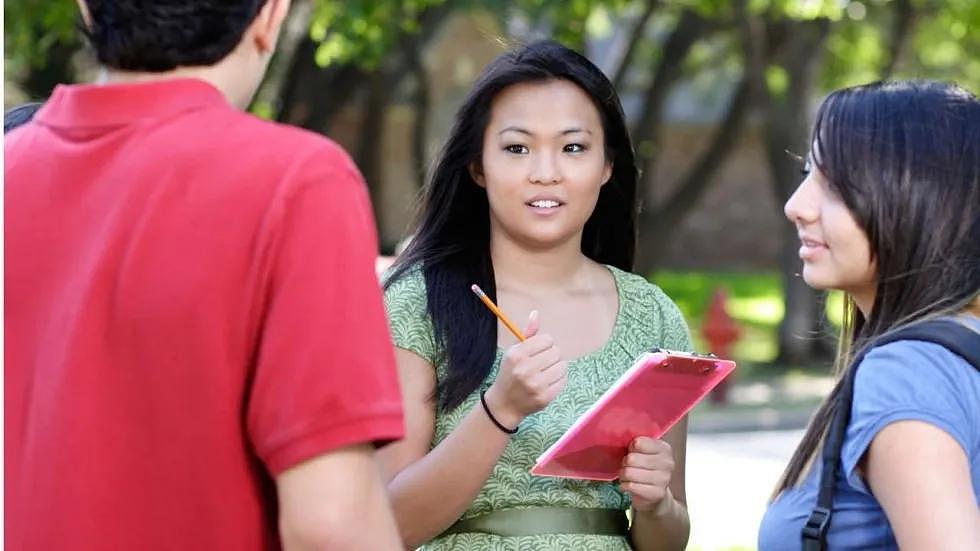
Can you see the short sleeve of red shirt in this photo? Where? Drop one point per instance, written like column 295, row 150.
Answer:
column 325, row 375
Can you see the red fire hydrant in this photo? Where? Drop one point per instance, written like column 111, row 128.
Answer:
column 721, row 331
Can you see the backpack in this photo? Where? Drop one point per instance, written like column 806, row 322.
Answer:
column 952, row 335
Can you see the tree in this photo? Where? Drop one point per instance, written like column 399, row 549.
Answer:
column 779, row 55
column 840, row 46
column 40, row 40
column 362, row 50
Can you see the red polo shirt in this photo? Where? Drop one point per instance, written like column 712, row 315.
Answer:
column 191, row 308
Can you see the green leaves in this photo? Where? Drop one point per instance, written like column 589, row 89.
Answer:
column 856, row 54
column 363, row 31
column 32, row 27
column 940, row 43
column 946, row 43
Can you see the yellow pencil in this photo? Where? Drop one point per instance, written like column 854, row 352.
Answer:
column 496, row 311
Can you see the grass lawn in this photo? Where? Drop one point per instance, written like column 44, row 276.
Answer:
column 755, row 302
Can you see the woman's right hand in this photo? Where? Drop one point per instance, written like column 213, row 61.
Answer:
column 531, row 375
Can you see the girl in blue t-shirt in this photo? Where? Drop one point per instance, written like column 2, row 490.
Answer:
column 889, row 212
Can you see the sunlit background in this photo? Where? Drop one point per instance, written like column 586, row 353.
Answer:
column 719, row 95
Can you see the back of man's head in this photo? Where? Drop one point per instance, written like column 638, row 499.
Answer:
column 161, row 35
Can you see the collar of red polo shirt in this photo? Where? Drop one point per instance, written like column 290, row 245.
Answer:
column 106, row 105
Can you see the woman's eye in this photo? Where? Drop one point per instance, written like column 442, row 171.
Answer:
column 805, row 169
column 574, row 148
column 516, row 149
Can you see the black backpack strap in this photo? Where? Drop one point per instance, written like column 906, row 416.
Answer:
column 955, row 337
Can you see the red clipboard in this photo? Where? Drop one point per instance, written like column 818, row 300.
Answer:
column 648, row 399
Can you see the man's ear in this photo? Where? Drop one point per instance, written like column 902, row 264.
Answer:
column 86, row 15
column 476, row 172
column 267, row 24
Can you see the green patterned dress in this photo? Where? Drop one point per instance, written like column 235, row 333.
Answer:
column 647, row 318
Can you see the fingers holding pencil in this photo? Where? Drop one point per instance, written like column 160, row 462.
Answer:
column 531, row 373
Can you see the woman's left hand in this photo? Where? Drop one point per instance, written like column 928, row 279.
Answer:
column 647, row 469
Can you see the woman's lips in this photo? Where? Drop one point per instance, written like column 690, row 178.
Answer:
column 810, row 248
column 545, row 207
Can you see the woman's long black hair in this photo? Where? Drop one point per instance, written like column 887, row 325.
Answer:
column 905, row 159
column 451, row 241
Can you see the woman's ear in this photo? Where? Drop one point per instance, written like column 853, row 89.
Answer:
column 607, row 173
column 476, row 172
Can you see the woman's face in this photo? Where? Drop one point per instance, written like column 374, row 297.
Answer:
column 835, row 251
column 543, row 163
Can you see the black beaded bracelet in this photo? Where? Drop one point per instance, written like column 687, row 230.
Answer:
column 486, row 408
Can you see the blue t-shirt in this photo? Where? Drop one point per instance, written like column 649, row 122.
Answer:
column 903, row 380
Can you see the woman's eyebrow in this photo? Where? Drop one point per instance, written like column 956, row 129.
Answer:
column 518, row 129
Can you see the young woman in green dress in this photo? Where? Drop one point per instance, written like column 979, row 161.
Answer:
column 534, row 200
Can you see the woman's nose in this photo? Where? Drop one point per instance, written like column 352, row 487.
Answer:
column 545, row 169
column 801, row 207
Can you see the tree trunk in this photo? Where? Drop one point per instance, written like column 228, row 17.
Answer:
column 313, row 95
column 646, row 132
column 368, row 154
column 404, row 60
column 801, row 333
column 635, row 37
column 420, row 101
column 57, row 69
column 656, row 224
column 690, row 27
column 904, row 18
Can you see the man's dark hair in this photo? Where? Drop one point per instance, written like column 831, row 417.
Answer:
column 160, row 35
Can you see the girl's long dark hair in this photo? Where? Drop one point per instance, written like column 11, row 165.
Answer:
column 905, row 159
column 451, row 241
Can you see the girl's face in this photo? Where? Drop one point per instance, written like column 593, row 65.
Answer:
column 543, row 163
column 835, row 251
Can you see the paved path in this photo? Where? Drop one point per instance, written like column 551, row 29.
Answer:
column 729, row 479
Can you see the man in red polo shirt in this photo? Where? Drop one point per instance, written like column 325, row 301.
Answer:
column 196, row 350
